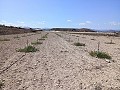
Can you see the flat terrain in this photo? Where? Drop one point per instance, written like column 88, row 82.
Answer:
column 59, row 64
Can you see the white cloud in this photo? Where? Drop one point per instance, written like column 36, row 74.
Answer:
column 88, row 22
column 69, row 20
column 6, row 23
column 82, row 23
column 85, row 23
column 42, row 22
column 18, row 23
column 113, row 23
column 21, row 22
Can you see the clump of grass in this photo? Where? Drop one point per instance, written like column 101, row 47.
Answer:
column 28, row 49
column 5, row 39
column 79, row 44
column 99, row 54
column 36, row 43
column 1, row 84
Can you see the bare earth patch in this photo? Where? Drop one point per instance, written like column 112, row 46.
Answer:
column 58, row 64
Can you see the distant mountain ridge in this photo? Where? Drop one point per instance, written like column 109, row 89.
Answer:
column 73, row 29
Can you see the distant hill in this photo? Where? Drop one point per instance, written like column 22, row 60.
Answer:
column 5, row 30
column 73, row 29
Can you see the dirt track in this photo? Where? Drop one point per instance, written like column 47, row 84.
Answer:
column 59, row 65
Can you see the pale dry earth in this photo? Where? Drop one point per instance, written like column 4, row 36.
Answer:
column 59, row 65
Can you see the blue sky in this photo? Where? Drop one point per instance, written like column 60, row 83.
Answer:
column 94, row 14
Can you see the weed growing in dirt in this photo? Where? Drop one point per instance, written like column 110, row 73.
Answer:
column 5, row 39
column 36, row 43
column 79, row 44
column 28, row 49
column 99, row 54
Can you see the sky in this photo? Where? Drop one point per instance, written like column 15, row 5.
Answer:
column 94, row 14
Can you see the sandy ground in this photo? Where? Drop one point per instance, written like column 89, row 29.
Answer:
column 59, row 65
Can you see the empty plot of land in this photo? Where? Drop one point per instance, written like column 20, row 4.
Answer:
column 59, row 64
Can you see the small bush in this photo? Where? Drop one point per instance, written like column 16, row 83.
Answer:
column 5, row 39
column 36, row 43
column 100, row 55
column 79, row 44
column 28, row 49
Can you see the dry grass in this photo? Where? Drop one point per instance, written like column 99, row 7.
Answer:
column 100, row 55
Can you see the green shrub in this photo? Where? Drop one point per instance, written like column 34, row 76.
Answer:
column 28, row 49
column 79, row 44
column 36, row 43
column 100, row 55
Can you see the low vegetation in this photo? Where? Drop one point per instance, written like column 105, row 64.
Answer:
column 28, row 49
column 99, row 54
column 79, row 44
